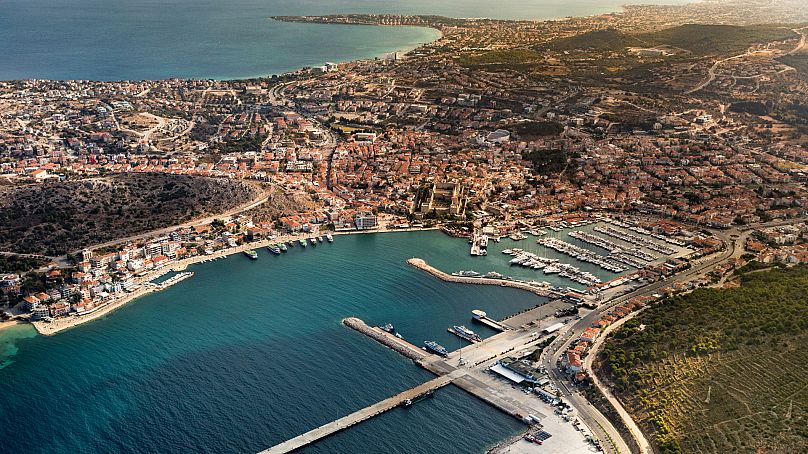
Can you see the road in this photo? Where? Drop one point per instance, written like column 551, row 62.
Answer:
column 733, row 250
column 259, row 200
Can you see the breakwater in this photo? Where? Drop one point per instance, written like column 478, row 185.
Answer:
column 538, row 289
column 399, row 345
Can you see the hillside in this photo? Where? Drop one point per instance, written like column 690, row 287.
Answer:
column 719, row 370
column 698, row 40
column 703, row 40
column 599, row 40
column 55, row 218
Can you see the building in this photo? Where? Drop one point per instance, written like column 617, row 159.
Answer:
column 365, row 221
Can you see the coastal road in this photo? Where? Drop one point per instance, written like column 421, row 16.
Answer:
column 733, row 250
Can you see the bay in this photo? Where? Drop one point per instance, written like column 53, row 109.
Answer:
column 212, row 39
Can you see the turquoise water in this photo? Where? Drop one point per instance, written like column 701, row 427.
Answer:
column 158, row 39
column 246, row 354
column 249, row 353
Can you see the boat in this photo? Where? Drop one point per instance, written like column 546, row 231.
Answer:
column 507, row 251
column 389, row 328
column 302, row 242
column 406, row 403
column 466, row 274
column 273, row 248
column 329, row 237
column 313, row 241
column 282, row 247
column 251, row 254
column 320, row 239
column 434, row 347
column 465, row 333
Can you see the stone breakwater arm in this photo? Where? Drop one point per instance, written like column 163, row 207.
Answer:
column 423, row 266
column 400, row 345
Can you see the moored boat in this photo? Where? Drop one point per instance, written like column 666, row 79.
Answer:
column 436, row 348
column 251, row 254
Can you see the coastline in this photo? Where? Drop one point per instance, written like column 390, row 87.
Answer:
column 61, row 324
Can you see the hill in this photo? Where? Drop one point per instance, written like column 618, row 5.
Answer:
column 599, row 40
column 703, row 40
column 719, row 370
column 699, row 40
column 55, row 218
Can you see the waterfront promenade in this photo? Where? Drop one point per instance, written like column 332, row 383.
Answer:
column 63, row 323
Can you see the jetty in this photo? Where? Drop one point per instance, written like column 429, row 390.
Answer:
column 538, row 289
column 359, row 416
column 482, row 317
column 383, row 337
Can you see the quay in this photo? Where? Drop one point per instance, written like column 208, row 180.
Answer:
column 540, row 290
column 359, row 416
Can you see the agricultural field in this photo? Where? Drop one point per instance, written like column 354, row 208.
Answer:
column 719, row 370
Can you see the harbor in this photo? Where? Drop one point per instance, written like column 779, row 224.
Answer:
column 469, row 374
column 539, row 288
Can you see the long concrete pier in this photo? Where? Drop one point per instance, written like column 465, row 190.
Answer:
column 359, row 416
column 523, row 285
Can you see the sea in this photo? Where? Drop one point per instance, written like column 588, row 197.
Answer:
column 215, row 39
column 246, row 354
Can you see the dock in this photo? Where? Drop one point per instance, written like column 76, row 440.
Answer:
column 481, row 317
column 359, row 416
column 474, row 380
column 383, row 337
column 541, row 290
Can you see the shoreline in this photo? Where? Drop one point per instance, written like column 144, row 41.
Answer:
column 61, row 324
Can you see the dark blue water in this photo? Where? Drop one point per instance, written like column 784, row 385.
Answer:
column 158, row 39
column 249, row 353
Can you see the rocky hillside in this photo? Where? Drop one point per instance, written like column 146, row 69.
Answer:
column 55, row 218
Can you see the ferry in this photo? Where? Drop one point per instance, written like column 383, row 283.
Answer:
column 465, row 333
column 283, row 247
column 329, row 237
column 302, row 242
column 273, row 248
column 251, row 254
column 434, row 347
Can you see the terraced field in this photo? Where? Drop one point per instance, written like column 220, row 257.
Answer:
column 719, row 370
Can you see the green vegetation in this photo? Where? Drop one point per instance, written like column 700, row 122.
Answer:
column 798, row 62
column 701, row 40
column 16, row 264
column 547, row 162
column 719, row 370
column 503, row 57
column 532, row 130
column 58, row 217
column 599, row 40
column 697, row 39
